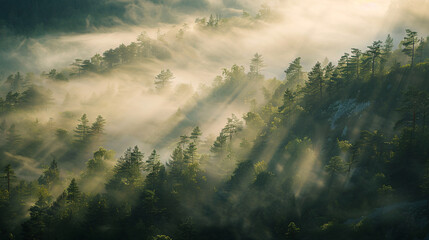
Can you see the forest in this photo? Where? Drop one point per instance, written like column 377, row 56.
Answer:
column 126, row 144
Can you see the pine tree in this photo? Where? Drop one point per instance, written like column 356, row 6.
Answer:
column 97, row 213
column 163, row 79
column 177, row 163
column 374, row 52
column 51, row 175
column 355, row 62
column 292, row 231
column 328, row 71
column 82, row 130
column 315, row 83
column 336, row 82
column 254, row 120
column 294, row 74
column 128, row 170
column 111, row 57
column 184, row 139
column 78, row 65
column 212, row 22
column 195, row 135
column 35, row 227
column 410, row 43
column 9, row 176
column 233, row 126
column 97, row 127
column 256, row 64
column 335, row 166
column 153, row 162
column 344, row 66
column 73, row 192
column 386, row 52
column 190, row 154
column 97, row 165
column 153, row 167
column 411, row 107
column 420, row 49
column 219, row 146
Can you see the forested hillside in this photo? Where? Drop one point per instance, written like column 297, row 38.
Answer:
column 121, row 146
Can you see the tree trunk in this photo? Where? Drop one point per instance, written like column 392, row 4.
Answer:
column 412, row 55
column 8, row 181
column 357, row 68
column 414, row 124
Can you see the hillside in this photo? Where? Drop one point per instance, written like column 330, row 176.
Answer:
column 154, row 140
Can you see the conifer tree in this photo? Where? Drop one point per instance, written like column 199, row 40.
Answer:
column 73, row 192
column 410, row 44
column 9, row 176
column 51, row 175
column 328, row 71
column 219, row 146
column 356, row 62
column 153, row 162
column 256, row 64
column 233, row 126
column 386, row 52
column 82, row 130
column 190, row 154
column 184, row 139
column 374, row 52
column 294, row 74
column 154, row 168
column 315, row 83
column 97, row 127
column 177, row 163
column 163, row 79
column 420, row 49
column 344, row 66
column 97, row 165
column 35, row 227
column 195, row 135
column 128, row 170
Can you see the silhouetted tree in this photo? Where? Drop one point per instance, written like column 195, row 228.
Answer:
column 73, row 192
column 374, row 52
column 294, row 74
column 163, row 79
column 82, row 130
column 9, row 176
column 51, row 175
column 256, row 64
column 97, row 127
column 410, row 43
column 195, row 135
column 128, row 171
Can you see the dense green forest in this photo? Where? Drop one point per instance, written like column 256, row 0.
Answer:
column 336, row 151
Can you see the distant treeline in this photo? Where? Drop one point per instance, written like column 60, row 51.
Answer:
column 41, row 16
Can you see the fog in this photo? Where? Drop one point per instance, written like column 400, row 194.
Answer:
column 270, row 155
column 312, row 30
column 137, row 115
